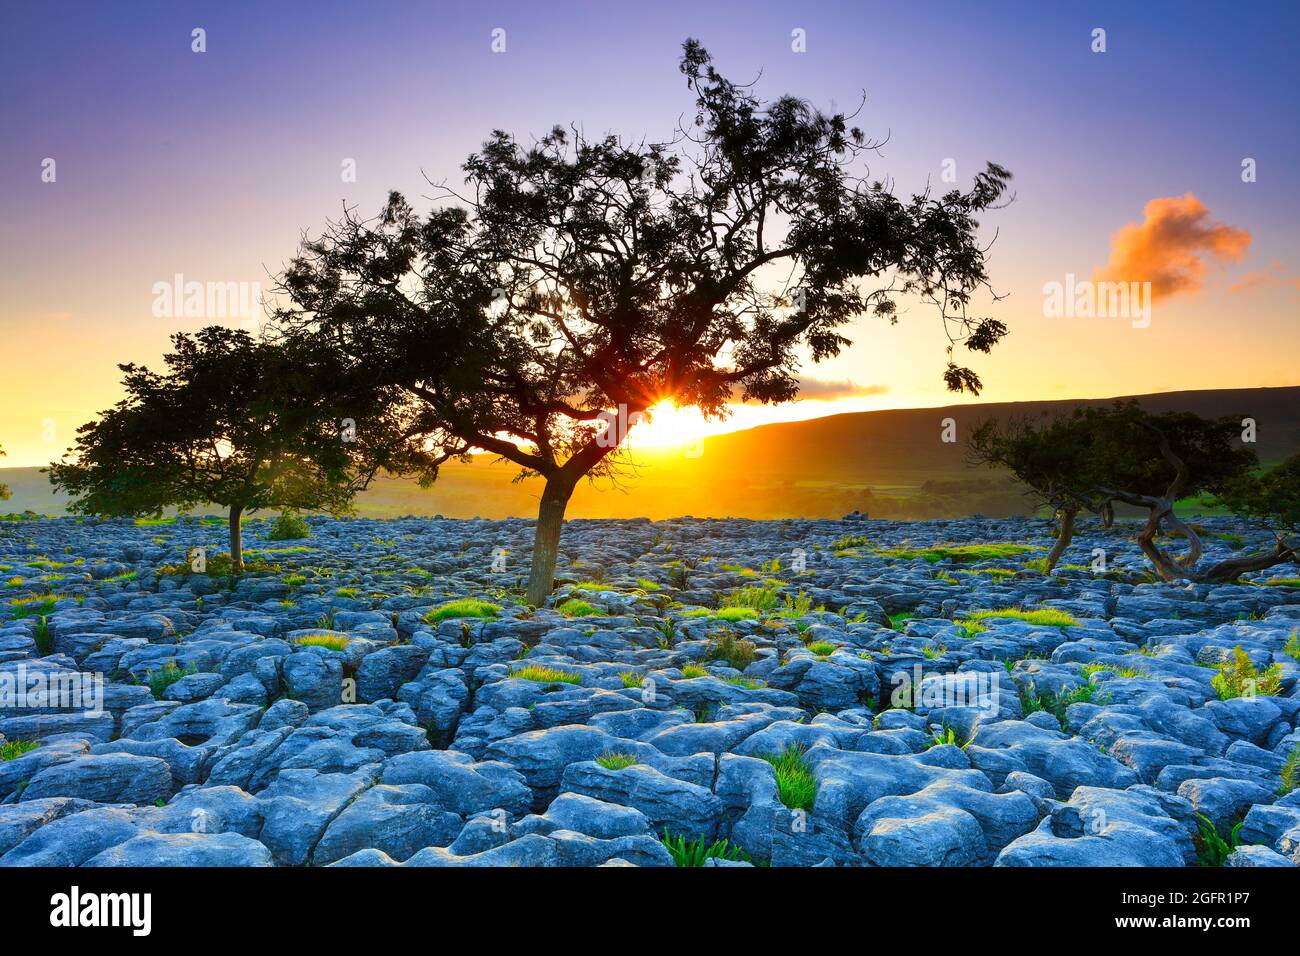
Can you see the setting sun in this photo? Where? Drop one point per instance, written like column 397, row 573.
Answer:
column 667, row 426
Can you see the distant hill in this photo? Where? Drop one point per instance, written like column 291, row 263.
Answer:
column 888, row 463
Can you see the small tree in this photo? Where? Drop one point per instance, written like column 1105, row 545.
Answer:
column 1152, row 461
column 1273, row 500
column 4, row 489
column 1052, row 458
column 236, row 422
column 577, row 283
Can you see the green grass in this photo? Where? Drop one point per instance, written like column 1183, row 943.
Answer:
column 1290, row 772
column 1042, row 617
column 44, row 641
column 296, row 580
column 630, row 678
column 616, row 761
column 970, row 628
column 747, row 683
column 753, row 597
column 1241, row 678
column 1292, row 647
column 463, row 607
column 850, row 541
column 822, row 648
column 335, row 642
column 1281, row 583
column 794, row 607
column 1058, row 704
column 947, row 737
column 288, row 527
column 794, row 778
column 960, row 553
column 35, row 606
column 1116, row 669
column 1212, row 849
column 165, row 676
column 998, row 574
column 902, row 617
column 692, row 671
column 546, row 675
column 695, row 852
column 733, row 614
column 13, row 749
column 347, row 592
column 727, row 647
column 645, row 584
column 576, row 608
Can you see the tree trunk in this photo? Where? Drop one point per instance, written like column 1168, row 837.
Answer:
column 1225, row 572
column 1167, row 568
column 546, row 542
column 236, row 539
column 1063, row 539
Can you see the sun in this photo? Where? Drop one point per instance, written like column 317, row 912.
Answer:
column 667, row 426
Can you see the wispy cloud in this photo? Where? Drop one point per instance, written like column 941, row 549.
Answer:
column 822, row 390
column 1174, row 248
column 1275, row 275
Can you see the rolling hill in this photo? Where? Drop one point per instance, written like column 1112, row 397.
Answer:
column 888, row 463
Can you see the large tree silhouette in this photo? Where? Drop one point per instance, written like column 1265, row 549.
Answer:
column 576, row 279
column 234, row 421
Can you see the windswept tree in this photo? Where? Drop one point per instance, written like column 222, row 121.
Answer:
column 1152, row 461
column 4, row 489
column 1272, row 500
column 1052, row 458
column 1094, row 456
column 236, row 422
column 576, row 283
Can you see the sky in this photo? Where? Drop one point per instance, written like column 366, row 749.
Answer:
column 1128, row 166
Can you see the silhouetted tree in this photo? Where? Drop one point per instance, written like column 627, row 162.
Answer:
column 1273, row 500
column 236, row 422
column 578, row 282
column 1152, row 461
column 4, row 489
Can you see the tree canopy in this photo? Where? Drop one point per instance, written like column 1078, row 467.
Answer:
column 235, row 421
column 1098, row 455
column 573, row 278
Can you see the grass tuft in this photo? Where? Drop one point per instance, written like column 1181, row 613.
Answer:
column 13, row 749
column 1241, row 678
column 1043, row 617
column 464, row 607
column 794, row 778
column 696, row 852
column 576, row 608
column 165, row 676
column 546, row 675
column 335, row 642
column 738, row 653
column 616, row 761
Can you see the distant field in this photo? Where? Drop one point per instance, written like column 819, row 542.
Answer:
column 890, row 464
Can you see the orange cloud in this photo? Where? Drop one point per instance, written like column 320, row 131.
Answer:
column 1274, row 275
column 1173, row 248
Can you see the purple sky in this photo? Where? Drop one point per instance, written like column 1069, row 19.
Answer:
column 211, row 165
